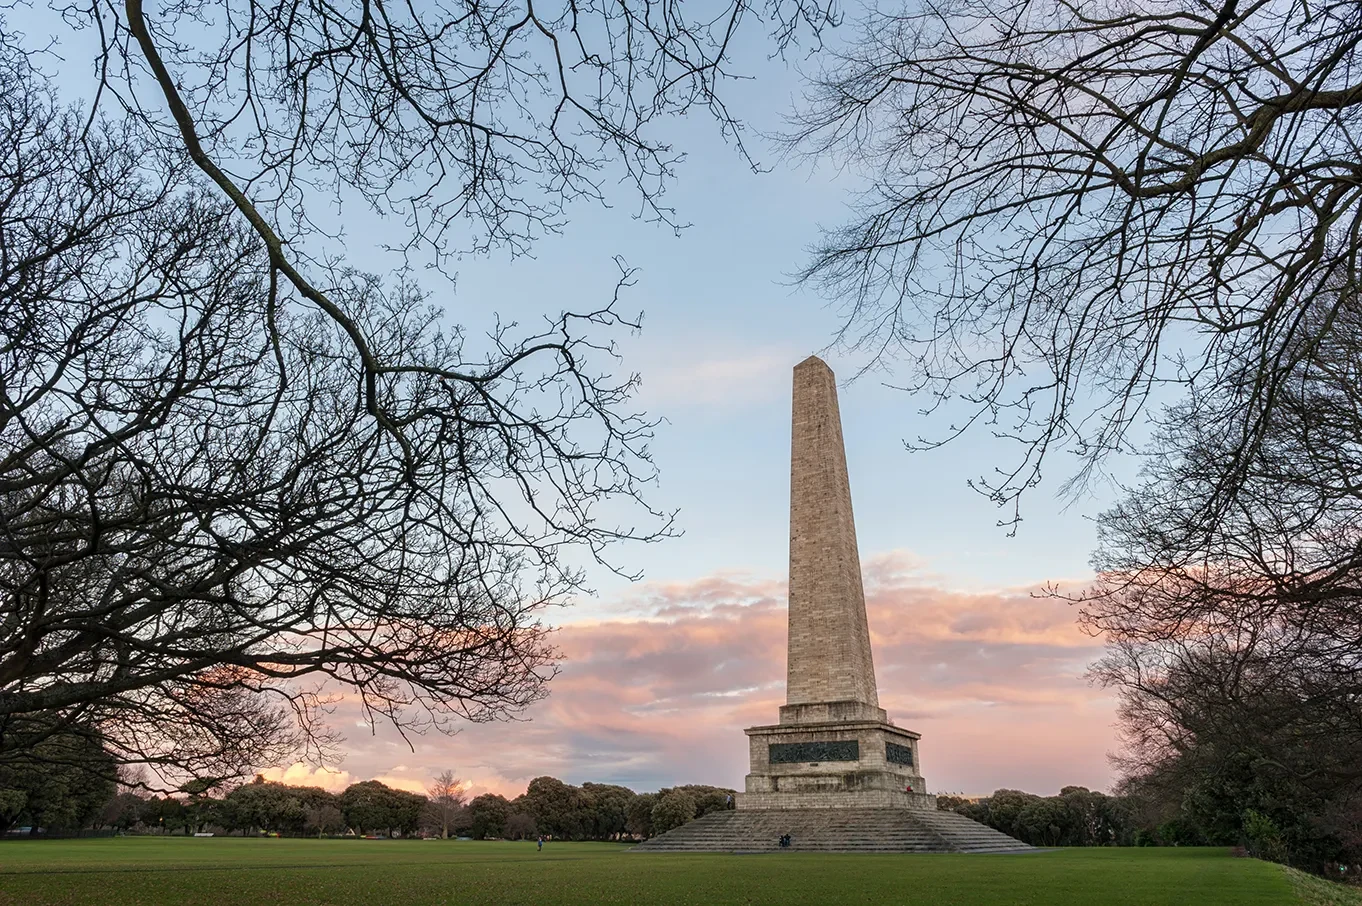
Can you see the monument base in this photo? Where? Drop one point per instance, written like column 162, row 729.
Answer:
column 861, row 762
column 846, row 830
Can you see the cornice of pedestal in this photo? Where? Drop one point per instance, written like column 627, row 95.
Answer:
column 827, row 726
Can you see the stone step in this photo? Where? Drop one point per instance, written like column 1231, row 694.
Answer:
column 834, row 830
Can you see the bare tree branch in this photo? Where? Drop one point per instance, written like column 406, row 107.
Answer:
column 1071, row 206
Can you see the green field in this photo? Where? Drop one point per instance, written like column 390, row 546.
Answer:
column 212, row 872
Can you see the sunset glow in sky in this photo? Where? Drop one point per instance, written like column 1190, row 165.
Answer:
column 658, row 692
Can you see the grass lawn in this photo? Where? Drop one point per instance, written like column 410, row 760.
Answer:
column 214, row 872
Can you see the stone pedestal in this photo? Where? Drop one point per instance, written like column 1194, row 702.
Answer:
column 842, row 764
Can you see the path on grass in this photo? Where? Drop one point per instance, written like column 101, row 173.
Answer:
column 249, row 872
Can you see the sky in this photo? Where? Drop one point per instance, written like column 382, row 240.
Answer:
column 660, row 676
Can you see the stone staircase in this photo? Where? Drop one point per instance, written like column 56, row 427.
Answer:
column 886, row 830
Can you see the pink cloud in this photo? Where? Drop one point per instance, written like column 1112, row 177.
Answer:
column 300, row 774
column 660, row 694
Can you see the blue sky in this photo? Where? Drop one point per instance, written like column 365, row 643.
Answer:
column 967, row 655
column 660, row 677
column 723, row 327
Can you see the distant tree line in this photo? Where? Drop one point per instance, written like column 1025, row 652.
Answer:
column 63, row 783
column 1076, row 817
column 60, row 804
column 593, row 811
column 61, row 799
column 60, row 796
column 1222, row 809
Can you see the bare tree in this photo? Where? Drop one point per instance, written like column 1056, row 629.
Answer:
column 1235, row 642
column 447, row 795
column 236, row 473
column 1277, row 570
column 324, row 819
column 447, row 114
column 472, row 126
column 1070, row 205
column 214, row 514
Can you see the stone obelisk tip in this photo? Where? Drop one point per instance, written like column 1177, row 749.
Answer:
column 829, row 642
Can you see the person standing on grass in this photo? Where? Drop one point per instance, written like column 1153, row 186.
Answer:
column 541, row 843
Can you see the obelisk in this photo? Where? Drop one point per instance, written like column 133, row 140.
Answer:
column 834, row 747
column 829, row 641
column 835, row 774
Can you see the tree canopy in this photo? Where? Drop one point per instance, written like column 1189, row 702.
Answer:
column 55, row 781
column 1074, row 209
column 1234, row 640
